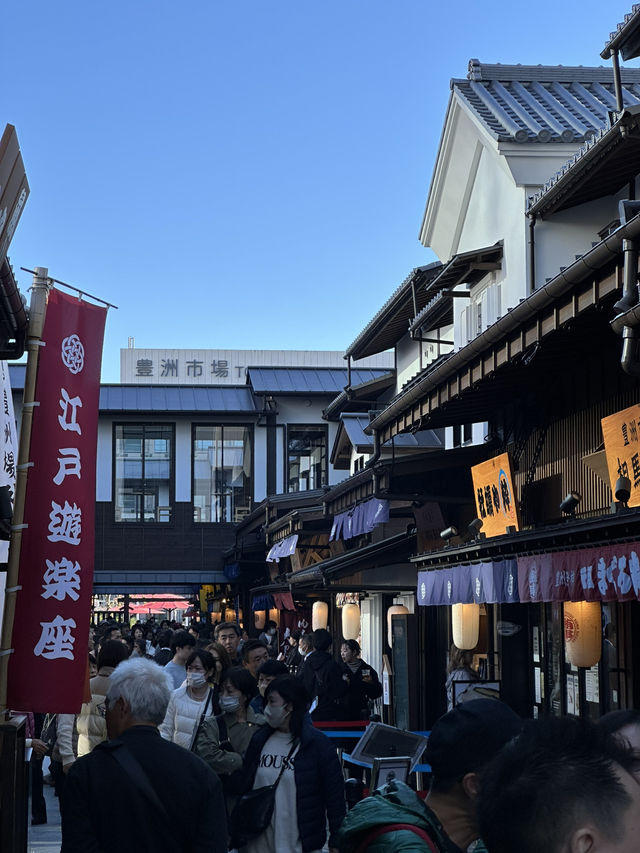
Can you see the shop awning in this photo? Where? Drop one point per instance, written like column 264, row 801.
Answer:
column 604, row 573
column 279, row 600
column 600, row 573
column 475, row 583
column 283, row 548
column 361, row 519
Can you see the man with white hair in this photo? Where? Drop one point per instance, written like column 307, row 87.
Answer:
column 138, row 793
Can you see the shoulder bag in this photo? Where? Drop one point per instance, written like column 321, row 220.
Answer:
column 253, row 812
column 196, row 731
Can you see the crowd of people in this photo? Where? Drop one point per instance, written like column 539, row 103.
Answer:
column 200, row 742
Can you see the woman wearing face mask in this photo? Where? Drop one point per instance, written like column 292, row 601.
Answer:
column 222, row 663
column 190, row 701
column 310, row 791
column 223, row 740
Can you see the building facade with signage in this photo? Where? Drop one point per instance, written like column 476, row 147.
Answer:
column 183, row 459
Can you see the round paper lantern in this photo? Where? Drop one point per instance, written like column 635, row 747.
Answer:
column 350, row 621
column 583, row 632
column 394, row 610
column 319, row 615
column 260, row 618
column 229, row 615
column 465, row 625
column 274, row 616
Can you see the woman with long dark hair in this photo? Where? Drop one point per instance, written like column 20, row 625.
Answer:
column 191, row 702
column 310, row 789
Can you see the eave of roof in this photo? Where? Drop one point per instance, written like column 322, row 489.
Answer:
column 602, row 253
column 600, row 168
column 365, row 390
column 594, row 531
column 463, row 268
column 336, row 565
column 391, row 322
column 626, row 38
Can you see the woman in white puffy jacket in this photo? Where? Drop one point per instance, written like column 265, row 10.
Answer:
column 191, row 702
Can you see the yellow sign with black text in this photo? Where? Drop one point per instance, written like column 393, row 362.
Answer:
column 622, row 449
column 495, row 496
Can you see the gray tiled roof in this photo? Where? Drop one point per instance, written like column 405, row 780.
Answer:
column 536, row 103
column 307, row 380
column 625, row 37
column 166, row 398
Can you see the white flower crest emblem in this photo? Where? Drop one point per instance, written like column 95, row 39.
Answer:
column 72, row 353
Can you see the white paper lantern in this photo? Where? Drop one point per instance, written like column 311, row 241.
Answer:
column 260, row 618
column 394, row 610
column 350, row 621
column 319, row 615
column 583, row 632
column 465, row 625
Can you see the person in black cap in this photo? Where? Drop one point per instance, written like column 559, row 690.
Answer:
column 461, row 743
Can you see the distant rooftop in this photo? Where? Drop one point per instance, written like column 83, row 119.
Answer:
column 319, row 380
column 540, row 103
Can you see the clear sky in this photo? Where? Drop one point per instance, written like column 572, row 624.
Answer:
column 248, row 174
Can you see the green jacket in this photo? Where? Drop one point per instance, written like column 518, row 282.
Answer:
column 222, row 761
column 395, row 803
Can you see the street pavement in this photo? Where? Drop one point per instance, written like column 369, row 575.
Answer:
column 47, row 838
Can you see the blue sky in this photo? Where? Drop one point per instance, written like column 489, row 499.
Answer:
column 248, row 174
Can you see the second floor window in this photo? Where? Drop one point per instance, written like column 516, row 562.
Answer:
column 307, row 457
column 222, row 476
column 143, row 473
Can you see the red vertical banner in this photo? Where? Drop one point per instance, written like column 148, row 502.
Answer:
column 50, row 635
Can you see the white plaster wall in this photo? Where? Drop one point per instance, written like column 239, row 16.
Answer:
column 407, row 360
column 569, row 233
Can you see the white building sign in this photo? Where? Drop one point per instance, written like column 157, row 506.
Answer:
column 224, row 367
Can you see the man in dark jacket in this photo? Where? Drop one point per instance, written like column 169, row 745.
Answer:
column 323, row 679
column 138, row 793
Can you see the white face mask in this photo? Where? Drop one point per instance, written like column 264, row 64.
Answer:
column 275, row 715
column 196, row 679
column 228, row 704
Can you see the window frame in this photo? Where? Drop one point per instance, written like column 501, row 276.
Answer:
column 172, row 477
column 250, row 427
column 294, row 427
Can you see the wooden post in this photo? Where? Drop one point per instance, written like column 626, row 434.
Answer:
column 37, row 311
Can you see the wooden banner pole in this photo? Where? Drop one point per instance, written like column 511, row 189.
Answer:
column 37, row 311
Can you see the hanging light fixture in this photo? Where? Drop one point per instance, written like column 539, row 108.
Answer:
column 465, row 625
column 260, row 619
column 583, row 632
column 394, row 610
column 350, row 621
column 319, row 615
column 274, row 615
